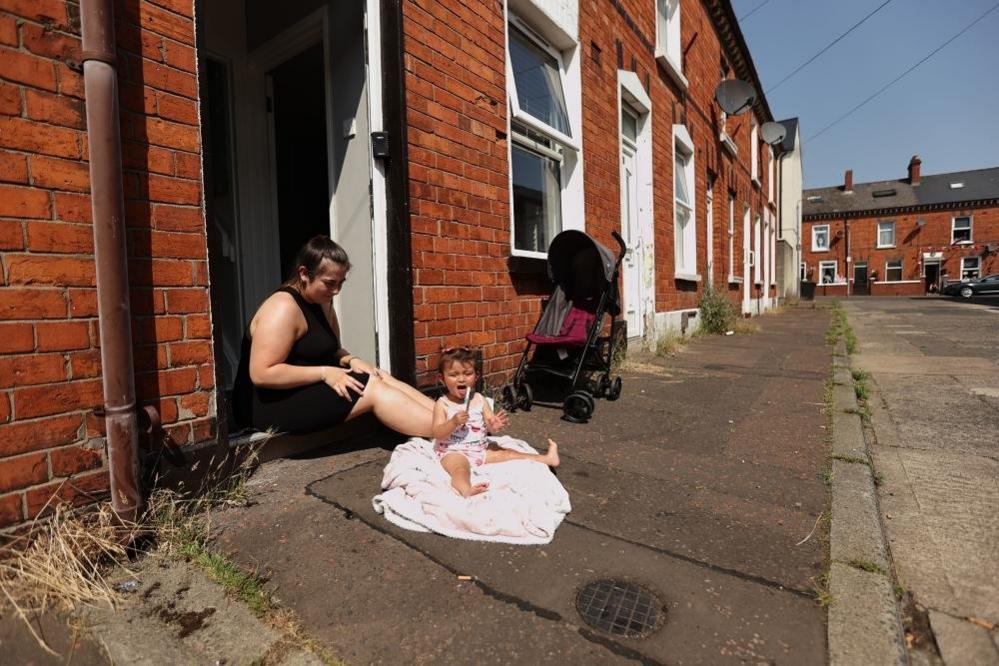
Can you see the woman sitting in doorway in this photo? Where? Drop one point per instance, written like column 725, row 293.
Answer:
column 294, row 376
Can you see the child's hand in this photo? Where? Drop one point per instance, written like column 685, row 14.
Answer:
column 498, row 421
column 460, row 419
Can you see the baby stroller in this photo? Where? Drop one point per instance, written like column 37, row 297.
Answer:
column 566, row 340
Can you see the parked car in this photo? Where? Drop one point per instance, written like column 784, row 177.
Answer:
column 988, row 285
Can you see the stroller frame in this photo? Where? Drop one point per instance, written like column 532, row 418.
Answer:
column 579, row 405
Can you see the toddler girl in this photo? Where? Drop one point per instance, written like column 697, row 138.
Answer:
column 463, row 419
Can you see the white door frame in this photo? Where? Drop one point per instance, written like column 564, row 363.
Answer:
column 379, row 182
column 631, row 94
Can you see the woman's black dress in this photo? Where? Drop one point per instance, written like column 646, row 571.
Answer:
column 305, row 408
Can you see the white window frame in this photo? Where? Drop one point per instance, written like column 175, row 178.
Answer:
column 568, row 149
column 882, row 223
column 731, row 240
column 901, row 267
column 685, row 240
column 754, row 151
column 757, row 252
column 835, row 266
column 669, row 44
column 815, row 245
column 978, row 267
column 971, row 229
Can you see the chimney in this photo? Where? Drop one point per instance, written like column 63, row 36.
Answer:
column 914, row 170
column 848, row 181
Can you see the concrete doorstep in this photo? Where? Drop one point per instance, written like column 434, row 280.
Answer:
column 865, row 626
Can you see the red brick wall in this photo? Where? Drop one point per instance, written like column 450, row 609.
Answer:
column 50, row 440
column 911, row 241
column 465, row 288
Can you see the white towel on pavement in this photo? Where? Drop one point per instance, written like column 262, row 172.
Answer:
column 525, row 502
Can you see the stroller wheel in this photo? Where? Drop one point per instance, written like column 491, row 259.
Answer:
column 603, row 385
column 578, row 407
column 509, row 397
column 614, row 392
column 525, row 397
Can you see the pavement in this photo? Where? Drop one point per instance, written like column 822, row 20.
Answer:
column 702, row 484
column 934, row 363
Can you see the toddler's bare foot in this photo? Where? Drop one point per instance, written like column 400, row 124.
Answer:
column 475, row 490
column 551, row 458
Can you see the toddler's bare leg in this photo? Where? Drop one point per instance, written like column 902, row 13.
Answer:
column 495, row 454
column 460, row 470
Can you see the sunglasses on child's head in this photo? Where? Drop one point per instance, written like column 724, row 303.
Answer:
column 448, row 350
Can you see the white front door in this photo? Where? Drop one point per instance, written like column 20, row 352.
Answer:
column 630, row 229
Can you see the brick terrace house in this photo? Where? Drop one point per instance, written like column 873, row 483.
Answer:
column 442, row 142
column 901, row 237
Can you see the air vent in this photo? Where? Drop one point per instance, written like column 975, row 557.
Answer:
column 884, row 193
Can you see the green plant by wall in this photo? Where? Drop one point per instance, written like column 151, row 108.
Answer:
column 716, row 312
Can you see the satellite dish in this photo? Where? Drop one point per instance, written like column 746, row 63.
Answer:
column 773, row 133
column 735, row 96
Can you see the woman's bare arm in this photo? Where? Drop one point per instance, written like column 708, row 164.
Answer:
column 276, row 327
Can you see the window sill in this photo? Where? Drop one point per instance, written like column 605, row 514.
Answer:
column 756, row 182
column 673, row 70
column 689, row 277
column 885, row 247
column 728, row 144
column 832, row 284
column 528, row 254
column 962, row 242
column 820, row 249
column 732, row 279
column 896, row 281
column 527, row 265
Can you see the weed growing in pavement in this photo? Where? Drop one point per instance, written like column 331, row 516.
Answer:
column 900, row 591
column 850, row 459
column 867, row 566
column 827, row 477
column 839, row 327
column 820, row 590
column 670, row 344
column 745, row 327
column 717, row 313
column 879, row 478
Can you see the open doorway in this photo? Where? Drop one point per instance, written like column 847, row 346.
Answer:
column 931, row 279
column 289, row 111
column 296, row 105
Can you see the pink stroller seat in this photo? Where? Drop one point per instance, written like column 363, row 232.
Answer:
column 573, row 333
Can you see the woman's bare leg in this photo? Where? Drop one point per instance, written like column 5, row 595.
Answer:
column 495, row 454
column 413, row 393
column 394, row 408
column 460, row 470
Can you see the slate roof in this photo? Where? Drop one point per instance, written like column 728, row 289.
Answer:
column 933, row 190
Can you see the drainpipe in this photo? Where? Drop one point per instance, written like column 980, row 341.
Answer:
column 107, row 202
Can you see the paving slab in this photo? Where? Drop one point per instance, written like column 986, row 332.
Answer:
column 963, row 643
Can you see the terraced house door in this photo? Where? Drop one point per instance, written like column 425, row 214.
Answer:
column 288, row 156
column 630, row 227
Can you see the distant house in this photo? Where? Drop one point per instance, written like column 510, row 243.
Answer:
column 901, row 237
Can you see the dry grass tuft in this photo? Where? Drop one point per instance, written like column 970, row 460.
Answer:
column 61, row 561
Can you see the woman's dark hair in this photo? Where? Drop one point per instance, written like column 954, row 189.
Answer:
column 311, row 255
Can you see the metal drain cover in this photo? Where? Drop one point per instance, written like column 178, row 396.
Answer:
column 620, row 608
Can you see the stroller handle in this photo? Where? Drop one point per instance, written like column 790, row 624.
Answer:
column 620, row 242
